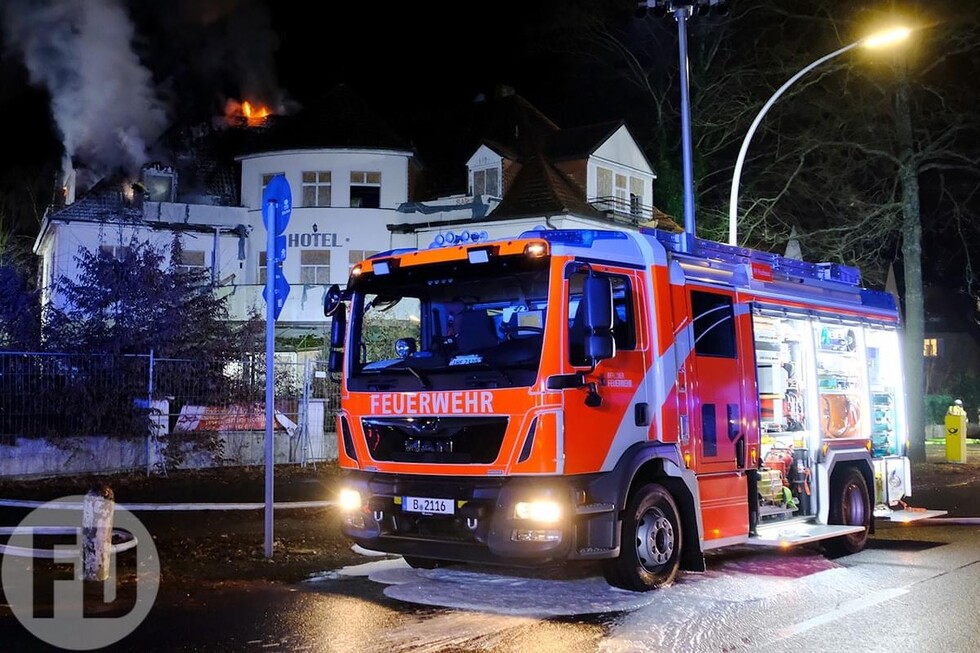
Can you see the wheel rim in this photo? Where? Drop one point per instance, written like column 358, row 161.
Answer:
column 854, row 507
column 654, row 539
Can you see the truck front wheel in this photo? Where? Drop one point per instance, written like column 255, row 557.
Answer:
column 850, row 506
column 649, row 553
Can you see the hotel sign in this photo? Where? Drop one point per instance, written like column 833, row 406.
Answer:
column 312, row 239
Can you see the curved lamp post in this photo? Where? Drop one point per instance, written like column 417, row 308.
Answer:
column 879, row 39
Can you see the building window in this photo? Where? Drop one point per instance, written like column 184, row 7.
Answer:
column 191, row 260
column 316, row 188
column 160, row 185
column 262, row 268
column 636, row 198
column 932, row 347
column 365, row 190
column 355, row 256
column 621, row 194
column 118, row 252
column 265, row 182
column 603, row 183
column 486, row 182
column 314, row 266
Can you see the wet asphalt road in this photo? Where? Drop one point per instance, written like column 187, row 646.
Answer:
column 916, row 588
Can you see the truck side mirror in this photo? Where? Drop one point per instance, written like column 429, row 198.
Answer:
column 598, row 306
column 338, row 329
column 332, row 299
column 335, row 361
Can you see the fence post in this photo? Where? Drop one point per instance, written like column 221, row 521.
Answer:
column 97, row 516
column 304, row 414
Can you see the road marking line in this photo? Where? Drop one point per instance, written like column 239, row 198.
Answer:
column 843, row 610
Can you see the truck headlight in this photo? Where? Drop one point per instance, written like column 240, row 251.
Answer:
column 544, row 511
column 349, row 500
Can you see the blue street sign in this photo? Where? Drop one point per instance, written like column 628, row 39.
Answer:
column 279, row 193
column 280, row 290
column 280, row 253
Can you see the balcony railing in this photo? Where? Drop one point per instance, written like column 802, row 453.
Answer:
column 622, row 211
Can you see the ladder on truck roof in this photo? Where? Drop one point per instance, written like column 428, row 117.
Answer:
column 789, row 267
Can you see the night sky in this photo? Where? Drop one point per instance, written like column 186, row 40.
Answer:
column 74, row 71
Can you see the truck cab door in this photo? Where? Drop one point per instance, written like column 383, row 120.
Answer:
column 599, row 428
column 719, row 376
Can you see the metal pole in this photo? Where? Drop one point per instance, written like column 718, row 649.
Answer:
column 215, row 255
column 681, row 14
column 149, row 411
column 270, row 322
column 737, row 174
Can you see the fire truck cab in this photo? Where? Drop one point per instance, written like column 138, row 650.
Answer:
column 633, row 397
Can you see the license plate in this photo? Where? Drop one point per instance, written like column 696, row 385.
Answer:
column 428, row 506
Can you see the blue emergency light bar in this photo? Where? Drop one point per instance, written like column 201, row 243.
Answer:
column 574, row 237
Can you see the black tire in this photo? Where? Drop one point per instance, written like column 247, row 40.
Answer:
column 850, row 505
column 650, row 547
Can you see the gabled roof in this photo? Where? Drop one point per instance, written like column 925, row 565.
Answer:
column 579, row 142
column 541, row 189
column 103, row 202
column 339, row 118
column 509, row 121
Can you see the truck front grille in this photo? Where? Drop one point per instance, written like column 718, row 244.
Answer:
column 455, row 440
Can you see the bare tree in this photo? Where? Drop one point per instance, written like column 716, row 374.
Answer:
column 864, row 159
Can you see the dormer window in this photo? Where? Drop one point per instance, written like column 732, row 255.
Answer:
column 486, row 182
column 160, row 183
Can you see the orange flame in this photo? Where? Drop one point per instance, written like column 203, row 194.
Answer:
column 245, row 112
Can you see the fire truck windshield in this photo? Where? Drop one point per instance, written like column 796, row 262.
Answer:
column 449, row 326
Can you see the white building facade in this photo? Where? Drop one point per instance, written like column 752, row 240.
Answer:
column 348, row 204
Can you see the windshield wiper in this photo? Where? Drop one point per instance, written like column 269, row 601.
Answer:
column 424, row 381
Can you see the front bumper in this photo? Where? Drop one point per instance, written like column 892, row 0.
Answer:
column 483, row 528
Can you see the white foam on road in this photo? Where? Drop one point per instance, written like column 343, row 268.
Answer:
column 508, row 595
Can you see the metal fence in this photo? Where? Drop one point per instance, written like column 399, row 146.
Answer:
column 54, row 395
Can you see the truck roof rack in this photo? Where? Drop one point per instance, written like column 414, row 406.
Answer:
column 675, row 242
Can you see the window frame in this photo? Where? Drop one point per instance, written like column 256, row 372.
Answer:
column 720, row 344
column 183, row 266
column 625, row 340
column 316, row 267
column 319, row 186
column 368, row 186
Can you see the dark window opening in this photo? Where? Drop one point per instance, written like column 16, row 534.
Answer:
column 714, row 324
column 624, row 326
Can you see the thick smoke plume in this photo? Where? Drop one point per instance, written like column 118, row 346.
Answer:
column 119, row 72
column 102, row 97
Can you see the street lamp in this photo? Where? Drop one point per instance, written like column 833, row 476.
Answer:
column 877, row 40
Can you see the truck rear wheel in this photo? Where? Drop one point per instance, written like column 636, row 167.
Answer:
column 851, row 506
column 650, row 547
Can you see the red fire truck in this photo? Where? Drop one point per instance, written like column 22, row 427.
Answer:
column 633, row 397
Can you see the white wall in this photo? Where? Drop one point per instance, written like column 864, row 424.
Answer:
column 393, row 166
